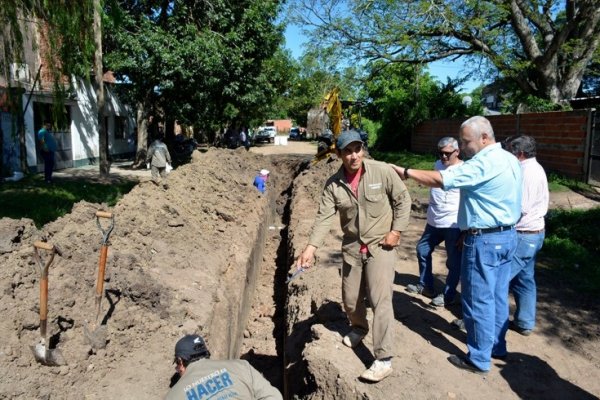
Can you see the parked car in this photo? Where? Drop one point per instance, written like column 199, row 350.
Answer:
column 295, row 134
column 266, row 134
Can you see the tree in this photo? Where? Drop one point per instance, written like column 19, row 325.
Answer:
column 543, row 46
column 401, row 96
column 208, row 64
column 104, row 164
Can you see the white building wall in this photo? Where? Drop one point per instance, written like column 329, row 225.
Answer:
column 84, row 125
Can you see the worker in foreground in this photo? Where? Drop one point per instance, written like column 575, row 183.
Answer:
column 374, row 208
column 202, row 378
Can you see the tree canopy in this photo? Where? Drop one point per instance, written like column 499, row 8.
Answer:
column 401, row 96
column 543, row 46
column 204, row 63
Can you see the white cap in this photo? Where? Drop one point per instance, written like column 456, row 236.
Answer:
column 264, row 172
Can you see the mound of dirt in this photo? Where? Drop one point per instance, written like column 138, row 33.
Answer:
column 180, row 260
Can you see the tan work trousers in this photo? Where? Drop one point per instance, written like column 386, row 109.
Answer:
column 373, row 277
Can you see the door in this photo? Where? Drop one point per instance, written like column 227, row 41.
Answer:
column 63, row 158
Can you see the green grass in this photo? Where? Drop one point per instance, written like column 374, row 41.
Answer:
column 406, row 159
column 572, row 247
column 33, row 198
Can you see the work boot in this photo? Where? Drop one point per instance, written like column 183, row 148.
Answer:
column 420, row 289
column 378, row 371
column 353, row 339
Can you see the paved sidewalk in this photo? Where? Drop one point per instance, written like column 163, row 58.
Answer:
column 119, row 170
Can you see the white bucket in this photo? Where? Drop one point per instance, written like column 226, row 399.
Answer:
column 283, row 140
column 277, row 140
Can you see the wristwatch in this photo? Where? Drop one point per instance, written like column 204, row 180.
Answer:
column 406, row 173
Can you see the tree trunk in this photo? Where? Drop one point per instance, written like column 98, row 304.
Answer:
column 102, row 133
column 142, row 136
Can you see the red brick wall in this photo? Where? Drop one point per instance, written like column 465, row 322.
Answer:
column 561, row 137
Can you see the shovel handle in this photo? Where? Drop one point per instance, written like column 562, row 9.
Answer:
column 103, row 214
column 101, row 270
column 43, row 301
column 43, row 245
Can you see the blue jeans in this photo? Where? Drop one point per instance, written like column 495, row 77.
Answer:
column 485, row 274
column 522, row 278
column 432, row 237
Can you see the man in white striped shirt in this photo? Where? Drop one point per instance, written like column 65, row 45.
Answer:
column 530, row 233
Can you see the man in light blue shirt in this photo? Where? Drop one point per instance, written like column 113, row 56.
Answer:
column 490, row 206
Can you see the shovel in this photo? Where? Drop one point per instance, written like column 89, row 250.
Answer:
column 96, row 336
column 41, row 351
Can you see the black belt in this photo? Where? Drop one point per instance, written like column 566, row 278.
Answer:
column 481, row 231
column 531, row 232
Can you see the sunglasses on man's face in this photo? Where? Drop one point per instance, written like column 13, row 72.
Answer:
column 446, row 154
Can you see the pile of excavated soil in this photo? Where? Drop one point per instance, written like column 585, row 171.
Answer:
column 180, row 260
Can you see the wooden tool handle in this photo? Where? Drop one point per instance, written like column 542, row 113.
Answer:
column 101, row 270
column 43, row 245
column 103, row 214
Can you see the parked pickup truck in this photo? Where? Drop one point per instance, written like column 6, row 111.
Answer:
column 266, row 134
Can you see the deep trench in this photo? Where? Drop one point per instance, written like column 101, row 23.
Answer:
column 272, row 367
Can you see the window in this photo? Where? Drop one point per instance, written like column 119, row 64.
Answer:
column 61, row 119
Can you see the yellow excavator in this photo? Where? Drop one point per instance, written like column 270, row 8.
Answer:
column 326, row 122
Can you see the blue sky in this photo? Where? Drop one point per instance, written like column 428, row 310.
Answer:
column 440, row 69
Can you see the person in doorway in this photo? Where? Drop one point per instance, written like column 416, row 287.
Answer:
column 260, row 180
column 48, row 148
column 490, row 205
column 374, row 208
column 201, row 377
column 530, row 233
column 158, row 157
column 441, row 226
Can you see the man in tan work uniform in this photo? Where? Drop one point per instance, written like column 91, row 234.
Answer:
column 374, row 207
column 202, row 378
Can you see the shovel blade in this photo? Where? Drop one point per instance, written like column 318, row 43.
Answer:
column 48, row 357
column 96, row 338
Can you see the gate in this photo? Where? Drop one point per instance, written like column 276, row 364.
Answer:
column 594, row 166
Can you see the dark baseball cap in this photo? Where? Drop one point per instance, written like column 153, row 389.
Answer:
column 190, row 347
column 347, row 137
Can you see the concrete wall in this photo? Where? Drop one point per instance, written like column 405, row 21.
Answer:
column 562, row 137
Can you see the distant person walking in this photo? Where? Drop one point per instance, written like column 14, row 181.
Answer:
column 442, row 226
column 244, row 139
column 490, row 184
column 530, row 233
column 48, row 148
column 158, row 157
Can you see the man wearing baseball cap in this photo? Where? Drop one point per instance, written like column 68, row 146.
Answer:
column 374, row 208
column 202, row 378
